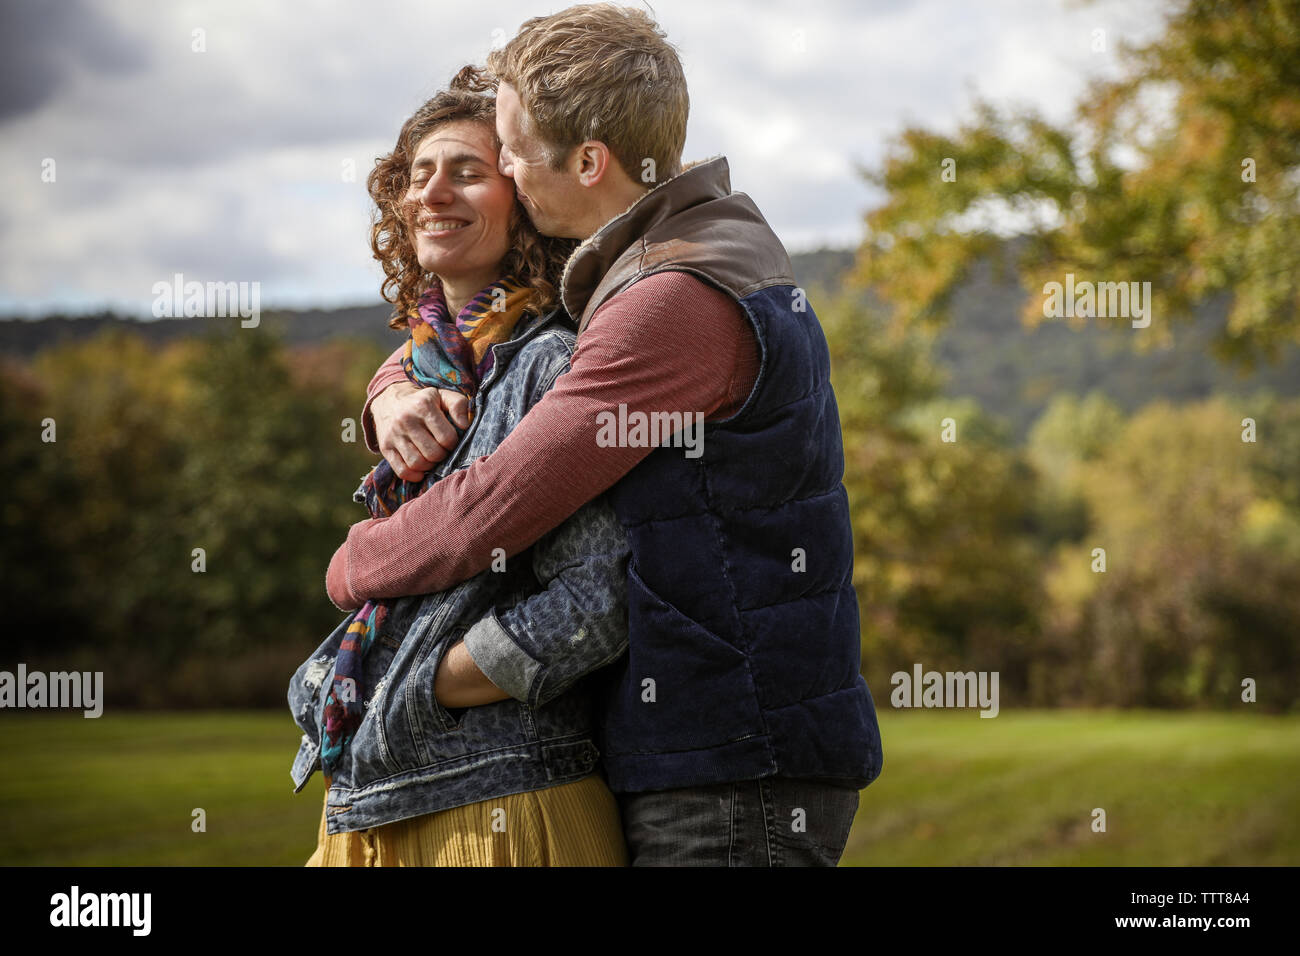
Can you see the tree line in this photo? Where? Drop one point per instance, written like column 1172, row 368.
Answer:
column 171, row 510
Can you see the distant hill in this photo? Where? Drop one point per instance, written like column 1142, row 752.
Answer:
column 1012, row 372
column 25, row 337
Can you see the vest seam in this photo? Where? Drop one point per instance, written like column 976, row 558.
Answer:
column 689, row 750
column 803, row 700
column 802, row 597
column 743, row 630
column 761, row 507
column 783, row 405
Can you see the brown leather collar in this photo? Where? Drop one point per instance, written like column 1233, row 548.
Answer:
column 592, row 260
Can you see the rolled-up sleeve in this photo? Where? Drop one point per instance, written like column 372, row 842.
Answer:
column 538, row 648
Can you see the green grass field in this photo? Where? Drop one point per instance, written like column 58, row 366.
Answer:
column 1178, row 789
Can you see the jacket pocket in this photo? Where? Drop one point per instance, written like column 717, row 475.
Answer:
column 449, row 718
column 434, row 732
column 413, row 725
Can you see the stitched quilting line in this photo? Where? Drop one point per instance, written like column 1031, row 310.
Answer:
column 659, row 519
column 767, row 824
column 731, row 836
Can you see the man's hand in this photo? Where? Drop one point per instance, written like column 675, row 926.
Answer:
column 413, row 426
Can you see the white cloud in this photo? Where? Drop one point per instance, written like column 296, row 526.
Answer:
column 225, row 164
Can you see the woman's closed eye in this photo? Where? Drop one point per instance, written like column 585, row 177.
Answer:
column 463, row 176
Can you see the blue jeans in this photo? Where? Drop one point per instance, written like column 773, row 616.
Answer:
column 775, row 821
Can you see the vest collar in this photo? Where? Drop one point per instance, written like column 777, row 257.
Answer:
column 697, row 183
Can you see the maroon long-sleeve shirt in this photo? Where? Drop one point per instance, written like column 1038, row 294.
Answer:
column 669, row 343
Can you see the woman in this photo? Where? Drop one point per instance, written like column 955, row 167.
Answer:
column 513, row 779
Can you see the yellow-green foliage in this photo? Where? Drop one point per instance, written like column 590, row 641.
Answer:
column 1182, row 173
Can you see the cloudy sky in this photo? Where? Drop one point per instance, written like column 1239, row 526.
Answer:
column 213, row 139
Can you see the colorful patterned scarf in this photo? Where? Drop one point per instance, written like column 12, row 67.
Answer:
column 441, row 352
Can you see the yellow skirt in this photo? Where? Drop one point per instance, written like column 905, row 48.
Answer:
column 573, row 824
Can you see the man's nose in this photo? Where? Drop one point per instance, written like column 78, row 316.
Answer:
column 506, row 162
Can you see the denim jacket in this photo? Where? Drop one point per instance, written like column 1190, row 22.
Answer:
column 557, row 612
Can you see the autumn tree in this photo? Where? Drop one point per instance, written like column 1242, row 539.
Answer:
column 1184, row 172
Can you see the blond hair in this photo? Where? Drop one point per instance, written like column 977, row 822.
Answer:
column 599, row 72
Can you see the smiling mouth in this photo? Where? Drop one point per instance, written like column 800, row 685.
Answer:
column 442, row 227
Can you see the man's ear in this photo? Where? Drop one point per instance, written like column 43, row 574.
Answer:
column 593, row 160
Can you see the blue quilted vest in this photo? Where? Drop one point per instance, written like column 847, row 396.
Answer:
column 744, row 653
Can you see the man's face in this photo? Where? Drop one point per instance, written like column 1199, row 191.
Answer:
column 554, row 199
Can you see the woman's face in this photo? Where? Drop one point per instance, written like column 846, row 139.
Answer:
column 463, row 203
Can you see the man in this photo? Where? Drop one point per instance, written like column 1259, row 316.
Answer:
column 737, row 730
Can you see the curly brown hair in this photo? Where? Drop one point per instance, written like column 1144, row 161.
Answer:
column 534, row 260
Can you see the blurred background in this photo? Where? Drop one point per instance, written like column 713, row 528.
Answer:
column 1105, row 513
